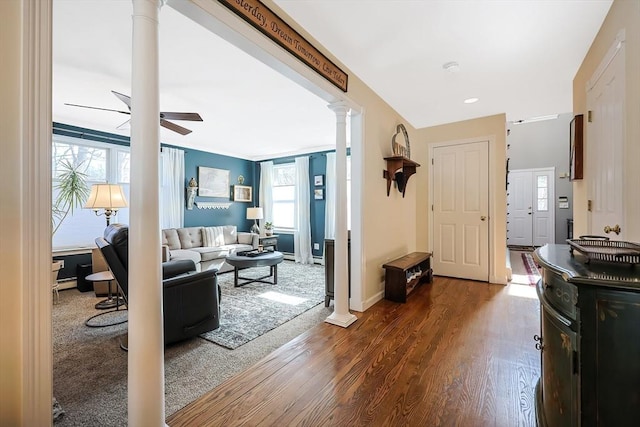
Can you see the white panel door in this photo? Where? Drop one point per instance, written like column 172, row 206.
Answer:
column 530, row 207
column 604, row 147
column 461, row 206
column 519, row 208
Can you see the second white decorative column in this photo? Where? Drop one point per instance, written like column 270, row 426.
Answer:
column 341, row 315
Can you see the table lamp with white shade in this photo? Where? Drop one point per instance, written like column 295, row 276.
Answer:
column 255, row 214
column 109, row 197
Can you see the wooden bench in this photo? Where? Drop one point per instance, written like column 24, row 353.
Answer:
column 402, row 275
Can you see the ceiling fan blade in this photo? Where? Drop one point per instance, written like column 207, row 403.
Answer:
column 174, row 127
column 124, row 98
column 98, row 108
column 125, row 125
column 194, row 117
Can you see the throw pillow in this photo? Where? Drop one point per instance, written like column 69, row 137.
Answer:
column 212, row 236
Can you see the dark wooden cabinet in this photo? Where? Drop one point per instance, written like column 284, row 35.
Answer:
column 589, row 341
column 329, row 269
column 402, row 275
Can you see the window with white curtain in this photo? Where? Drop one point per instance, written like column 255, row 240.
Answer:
column 101, row 162
column 284, row 190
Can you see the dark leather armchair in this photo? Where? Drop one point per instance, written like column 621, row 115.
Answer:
column 190, row 299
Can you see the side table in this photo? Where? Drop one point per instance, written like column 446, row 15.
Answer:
column 268, row 241
column 110, row 302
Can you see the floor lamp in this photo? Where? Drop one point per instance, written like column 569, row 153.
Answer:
column 108, row 197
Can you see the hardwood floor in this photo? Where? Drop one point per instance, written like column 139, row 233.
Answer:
column 458, row 353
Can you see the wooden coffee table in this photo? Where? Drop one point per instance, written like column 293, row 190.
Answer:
column 265, row 259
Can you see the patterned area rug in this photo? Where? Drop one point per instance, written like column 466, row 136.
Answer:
column 531, row 267
column 251, row 310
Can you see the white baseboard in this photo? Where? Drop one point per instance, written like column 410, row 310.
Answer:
column 67, row 284
column 291, row 257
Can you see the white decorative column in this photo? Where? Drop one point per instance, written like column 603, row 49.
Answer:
column 341, row 315
column 146, row 339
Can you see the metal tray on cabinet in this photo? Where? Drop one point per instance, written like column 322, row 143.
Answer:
column 603, row 249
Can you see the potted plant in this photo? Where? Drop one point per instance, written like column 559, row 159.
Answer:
column 268, row 228
column 73, row 191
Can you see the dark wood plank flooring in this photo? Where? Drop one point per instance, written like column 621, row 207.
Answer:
column 458, row 353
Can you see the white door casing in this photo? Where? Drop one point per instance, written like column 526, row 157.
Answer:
column 461, row 210
column 604, row 147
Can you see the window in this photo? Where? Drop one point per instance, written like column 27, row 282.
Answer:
column 101, row 163
column 542, row 193
column 284, row 195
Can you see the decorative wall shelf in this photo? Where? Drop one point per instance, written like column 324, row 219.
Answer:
column 399, row 169
column 212, row 205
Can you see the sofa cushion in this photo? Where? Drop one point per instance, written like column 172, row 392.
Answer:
column 170, row 238
column 190, row 237
column 230, row 234
column 209, row 253
column 186, row 254
column 245, row 238
column 212, row 236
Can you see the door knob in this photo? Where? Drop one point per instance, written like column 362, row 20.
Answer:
column 482, row 218
column 616, row 229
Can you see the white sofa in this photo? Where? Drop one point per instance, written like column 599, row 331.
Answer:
column 206, row 246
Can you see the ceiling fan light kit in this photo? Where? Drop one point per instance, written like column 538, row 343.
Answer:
column 165, row 116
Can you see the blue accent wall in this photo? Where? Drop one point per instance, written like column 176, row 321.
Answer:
column 237, row 212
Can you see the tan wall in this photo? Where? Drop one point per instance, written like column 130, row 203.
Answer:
column 388, row 222
column 12, row 360
column 493, row 127
column 624, row 14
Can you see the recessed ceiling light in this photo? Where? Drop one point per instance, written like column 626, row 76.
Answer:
column 452, row 67
column 471, row 100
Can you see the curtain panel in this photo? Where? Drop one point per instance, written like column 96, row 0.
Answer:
column 172, row 188
column 302, row 215
column 266, row 195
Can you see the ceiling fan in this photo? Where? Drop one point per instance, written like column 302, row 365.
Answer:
column 164, row 116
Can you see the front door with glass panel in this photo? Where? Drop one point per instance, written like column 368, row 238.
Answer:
column 530, row 207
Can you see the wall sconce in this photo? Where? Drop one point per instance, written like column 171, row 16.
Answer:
column 109, row 197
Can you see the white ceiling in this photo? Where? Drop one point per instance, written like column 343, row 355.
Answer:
column 518, row 57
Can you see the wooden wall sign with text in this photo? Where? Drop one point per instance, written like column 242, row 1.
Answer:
column 267, row 22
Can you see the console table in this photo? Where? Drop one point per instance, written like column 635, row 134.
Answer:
column 402, row 275
column 589, row 345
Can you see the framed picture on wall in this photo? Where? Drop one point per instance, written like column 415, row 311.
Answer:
column 213, row 182
column 318, row 194
column 242, row 193
column 575, row 148
column 318, row 180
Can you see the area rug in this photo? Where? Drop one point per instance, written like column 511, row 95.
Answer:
column 248, row 311
column 531, row 267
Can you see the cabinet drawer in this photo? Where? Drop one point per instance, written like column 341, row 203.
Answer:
column 561, row 294
column 269, row 241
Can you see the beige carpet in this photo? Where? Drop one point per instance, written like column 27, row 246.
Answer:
column 90, row 369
